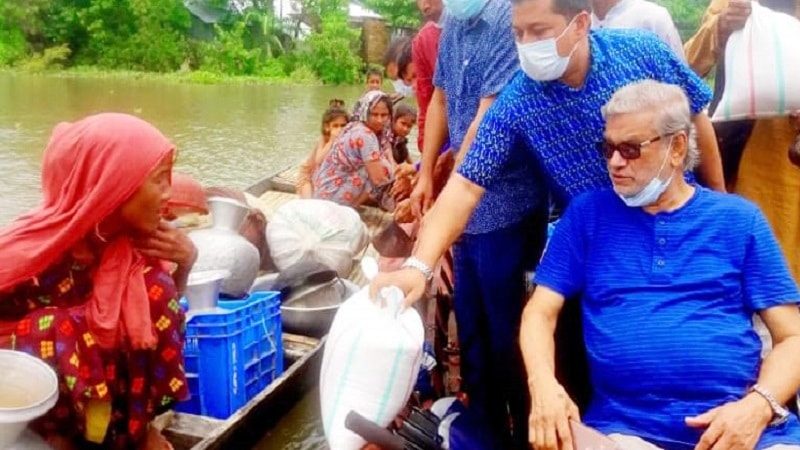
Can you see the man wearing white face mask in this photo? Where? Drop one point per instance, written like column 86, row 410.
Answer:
column 669, row 276
column 504, row 235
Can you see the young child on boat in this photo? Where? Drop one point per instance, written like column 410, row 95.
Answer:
column 374, row 80
column 405, row 118
column 334, row 120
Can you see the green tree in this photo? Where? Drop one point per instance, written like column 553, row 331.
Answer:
column 333, row 51
column 13, row 46
column 134, row 34
column 686, row 14
column 312, row 11
column 398, row 13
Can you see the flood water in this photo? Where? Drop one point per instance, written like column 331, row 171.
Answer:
column 299, row 429
column 226, row 135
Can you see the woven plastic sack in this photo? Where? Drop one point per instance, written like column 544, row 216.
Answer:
column 762, row 67
column 370, row 364
column 309, row 235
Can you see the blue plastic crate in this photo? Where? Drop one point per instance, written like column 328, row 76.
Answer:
column 273, row 311
column 263, row 352
column 231, row 354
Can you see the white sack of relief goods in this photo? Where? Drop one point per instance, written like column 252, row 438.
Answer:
column 370, row 365
column 762, row 67
column 309, row 235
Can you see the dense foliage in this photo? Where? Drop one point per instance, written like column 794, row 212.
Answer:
column 163, row 36
column 686, row 14
column 398, row 13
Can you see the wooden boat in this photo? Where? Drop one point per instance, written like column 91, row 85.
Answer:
column 302, row 354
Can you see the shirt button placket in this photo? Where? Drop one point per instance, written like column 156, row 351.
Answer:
column 659, row 251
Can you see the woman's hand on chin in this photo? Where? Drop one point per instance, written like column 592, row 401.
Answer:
column 170, row 244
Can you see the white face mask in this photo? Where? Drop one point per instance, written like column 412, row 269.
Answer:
column 464, row 9
column 653, row 190
column 540, row 60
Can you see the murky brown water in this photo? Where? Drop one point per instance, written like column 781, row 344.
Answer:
column 299, row 429
column 226, row 134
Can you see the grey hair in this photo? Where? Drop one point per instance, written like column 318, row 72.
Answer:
column 671, row 106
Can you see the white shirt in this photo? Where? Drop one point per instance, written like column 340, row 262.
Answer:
column 643, row 15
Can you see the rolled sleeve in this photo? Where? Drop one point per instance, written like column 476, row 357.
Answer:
column 562, row 268
column 491, row 148
column 766, row 278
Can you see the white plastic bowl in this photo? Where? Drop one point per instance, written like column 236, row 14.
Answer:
column 28, row 389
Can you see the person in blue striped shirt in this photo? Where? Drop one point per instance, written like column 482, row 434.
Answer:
column 669, row 276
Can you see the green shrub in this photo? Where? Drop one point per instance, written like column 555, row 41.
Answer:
column 333, row 51
column 50, row 59
column 135, row 34
column 204, row 77
column 272, row 68
column 686, row 14
column 153, row 36
column 304, row 74
column 13, row 46
column 228, row 54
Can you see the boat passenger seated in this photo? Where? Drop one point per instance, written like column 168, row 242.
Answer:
column 334, row 120
column 90, row 281
column 357, row 168
column 669, row 277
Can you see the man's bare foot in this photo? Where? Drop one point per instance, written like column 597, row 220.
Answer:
column 156, row 441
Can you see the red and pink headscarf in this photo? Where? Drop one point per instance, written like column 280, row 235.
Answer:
column 91, row 168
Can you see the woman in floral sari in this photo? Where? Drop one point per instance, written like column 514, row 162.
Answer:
column 85, row 284
column 357, row 168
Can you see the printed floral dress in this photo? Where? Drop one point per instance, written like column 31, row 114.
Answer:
column 342, row 176
column 51, row 325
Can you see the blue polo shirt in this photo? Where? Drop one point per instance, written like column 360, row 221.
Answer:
column 667, row 301
column 561, row 125
column 476, row 59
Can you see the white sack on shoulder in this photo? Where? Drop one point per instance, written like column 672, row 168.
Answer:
column 762, row 67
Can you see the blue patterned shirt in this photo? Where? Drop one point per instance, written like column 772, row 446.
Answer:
column 667, row 302
column 562, row 125
column 477, row 58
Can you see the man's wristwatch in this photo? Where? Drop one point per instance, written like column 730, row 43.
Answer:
column 417, row 264
column 779, row 413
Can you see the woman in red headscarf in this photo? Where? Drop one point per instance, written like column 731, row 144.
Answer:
column 85, row 285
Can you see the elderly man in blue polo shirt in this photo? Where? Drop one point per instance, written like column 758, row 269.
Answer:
column 669, row 276
column 476, row 59
column 551, row 111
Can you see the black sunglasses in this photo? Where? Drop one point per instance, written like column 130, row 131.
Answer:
column 628, row 150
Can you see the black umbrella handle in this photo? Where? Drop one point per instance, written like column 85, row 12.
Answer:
column 372, row 432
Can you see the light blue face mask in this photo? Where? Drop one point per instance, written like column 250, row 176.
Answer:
column 464, row 9
column 653, row 190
